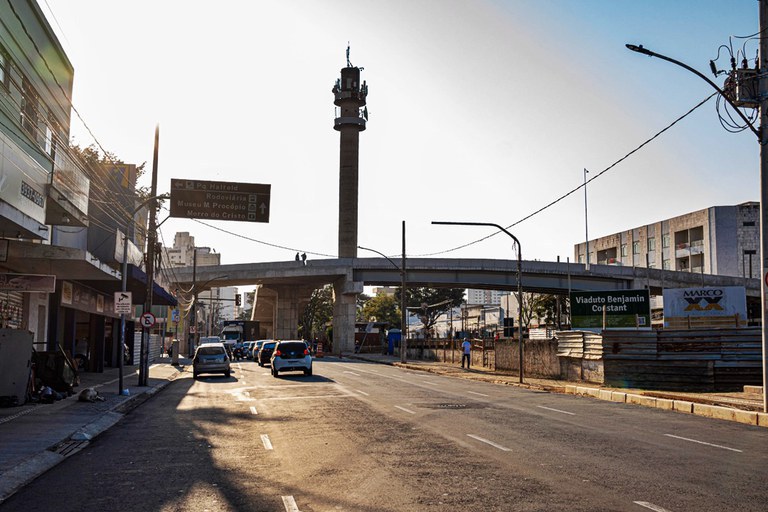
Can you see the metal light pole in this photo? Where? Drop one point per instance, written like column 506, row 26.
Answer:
column 762, row 137
column 403, row 313
column 586, row 220
column 519, row 277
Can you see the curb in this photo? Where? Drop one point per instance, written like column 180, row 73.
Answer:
column 25, row 472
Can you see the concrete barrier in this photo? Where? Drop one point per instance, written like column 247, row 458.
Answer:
column 762, row 419
column 725, row 413
column 618, row 396
column 665, row 403
column 646, row 401
column 571, row 390
column 604, row 394
column 683, row 406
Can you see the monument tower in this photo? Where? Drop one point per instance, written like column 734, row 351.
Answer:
column 351, row 116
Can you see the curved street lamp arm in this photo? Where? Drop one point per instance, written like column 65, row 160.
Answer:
column 645, row 51
column 382, row 255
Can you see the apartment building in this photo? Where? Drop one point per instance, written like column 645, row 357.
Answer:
column 722, row 240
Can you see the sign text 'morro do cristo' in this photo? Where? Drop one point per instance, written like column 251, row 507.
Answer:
column 220, row 200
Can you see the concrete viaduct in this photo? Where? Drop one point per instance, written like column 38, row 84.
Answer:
column 286, row 287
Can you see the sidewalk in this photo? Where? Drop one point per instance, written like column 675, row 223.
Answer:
column 744, row 406
column 36, row 437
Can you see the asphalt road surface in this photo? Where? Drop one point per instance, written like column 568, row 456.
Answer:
column 361, row 436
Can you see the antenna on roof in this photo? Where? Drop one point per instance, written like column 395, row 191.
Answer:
column 349, row 64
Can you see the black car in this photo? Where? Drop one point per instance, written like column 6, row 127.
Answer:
column 265, row 352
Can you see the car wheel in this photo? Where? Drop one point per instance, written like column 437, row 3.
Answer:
column 275, row 372
column 227, row 373
column 308, row 372
column 261, row 364
column 194, row 375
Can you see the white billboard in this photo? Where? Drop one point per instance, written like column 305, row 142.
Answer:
column 724, row 301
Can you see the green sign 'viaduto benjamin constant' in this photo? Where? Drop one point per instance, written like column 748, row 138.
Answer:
column 621, row 309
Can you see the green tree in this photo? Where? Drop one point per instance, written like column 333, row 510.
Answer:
column 317, row 313
column 440, row 300
column 382, row 307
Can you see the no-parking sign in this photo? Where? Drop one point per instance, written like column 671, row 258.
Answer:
column 147, row 320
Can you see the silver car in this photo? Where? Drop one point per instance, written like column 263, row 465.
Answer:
column 211, row 358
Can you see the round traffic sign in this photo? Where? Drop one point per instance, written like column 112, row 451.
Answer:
column 147, row 320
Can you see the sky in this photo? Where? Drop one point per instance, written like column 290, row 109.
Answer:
column 479, row 111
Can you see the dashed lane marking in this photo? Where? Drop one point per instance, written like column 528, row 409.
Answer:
column 556, row 410
column 478, row 394
column 362, row 392
column 266, row 442
column 702, row 442
column 486, row 441
column 253, row 410
column 651, row 506
column 290, row 504
column 430, row 383
column 352, row 373
column 404, row 409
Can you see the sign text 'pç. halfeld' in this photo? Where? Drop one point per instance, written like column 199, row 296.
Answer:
column 220, row 200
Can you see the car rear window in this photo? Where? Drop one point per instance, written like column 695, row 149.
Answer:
column 210, row 351
column 269, row 345
column 292, row 346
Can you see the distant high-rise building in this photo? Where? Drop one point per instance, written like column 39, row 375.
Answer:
column 484, row 296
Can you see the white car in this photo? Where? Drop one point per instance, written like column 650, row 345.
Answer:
column 211, row 358
column 291, row 355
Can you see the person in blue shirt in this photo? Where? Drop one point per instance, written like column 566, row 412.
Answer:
column 466, row 349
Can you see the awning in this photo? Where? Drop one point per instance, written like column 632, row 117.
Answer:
column 65, row 263
column 137, row 285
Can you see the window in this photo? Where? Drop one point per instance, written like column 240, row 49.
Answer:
column 3, row 68
column 48, row 141
column 635, row 247
column 29, row 108
column 666, row 265
column 651, row 244
column 623, row 249
column 665, row 240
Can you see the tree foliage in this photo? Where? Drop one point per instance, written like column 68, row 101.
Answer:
column 382, row 307
column 436, row 300
column 317, row 314
column 542, row 307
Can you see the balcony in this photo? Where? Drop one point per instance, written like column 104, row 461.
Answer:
column 67, row 195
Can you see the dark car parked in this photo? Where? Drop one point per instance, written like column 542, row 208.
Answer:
column 265, row 352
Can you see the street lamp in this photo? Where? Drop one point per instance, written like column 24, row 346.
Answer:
column 121, row 390
column 519, row 277
column 762, row 137
column 403, row 313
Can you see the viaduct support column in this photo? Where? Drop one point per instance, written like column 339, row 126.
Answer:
column 345, row 292
column 290, row 302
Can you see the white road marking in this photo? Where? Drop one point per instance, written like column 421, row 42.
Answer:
column 253, row 410
column 362, row 392
column 702, row 442
column 431, row 383
column 651, row 506
column 556, row 410
column 266, row 442
column 305, row 397
column 404, row 409
column 486, row 441
column 352, row 373
column 476, row 393
column 290, row 504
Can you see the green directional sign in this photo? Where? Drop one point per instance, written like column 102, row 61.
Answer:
column 220, row 200
column 621, row 309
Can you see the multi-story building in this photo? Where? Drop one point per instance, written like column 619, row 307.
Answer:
column 487, row 297
column 722, row 240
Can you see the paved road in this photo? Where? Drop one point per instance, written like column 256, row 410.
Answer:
column 360, row 436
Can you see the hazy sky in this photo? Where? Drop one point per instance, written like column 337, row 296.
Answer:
column 481, row 111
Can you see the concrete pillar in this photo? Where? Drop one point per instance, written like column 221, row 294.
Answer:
column 291, row 301
column 265, row 308
column 345, row 292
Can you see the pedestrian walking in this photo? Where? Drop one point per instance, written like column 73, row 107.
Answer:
column 304, row 257
column 297, row 257
column 466, row 354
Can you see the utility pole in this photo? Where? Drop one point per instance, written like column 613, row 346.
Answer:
column 763, row 134
column 403, row 310
column 150, row 263
column 586, row 221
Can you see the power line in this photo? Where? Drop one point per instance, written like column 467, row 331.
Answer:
column 614, row 164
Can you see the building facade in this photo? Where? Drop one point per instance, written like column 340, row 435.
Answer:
column 721, row 240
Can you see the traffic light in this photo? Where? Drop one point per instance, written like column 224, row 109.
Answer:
column 238, row 299
column 509, row 327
